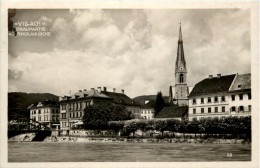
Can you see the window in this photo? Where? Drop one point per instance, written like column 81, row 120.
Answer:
column 194, row 101
column 39, row 118
column 223, row 98
column 233, row 97
column 70, row 115
column 216, row 99
column 194, row 111
column 209, row 99
column 249, row 107
column 181, row 78
column 202, row 100
column 209, row 110
column 39, row 111
column 240, row 96
column 216, row 109
column 223, row 109
column 249, row 96
column 239, row 86
column 202, row 110
column 241, row 108
column 233, row 108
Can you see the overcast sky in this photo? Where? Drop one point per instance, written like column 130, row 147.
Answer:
column 133, row 50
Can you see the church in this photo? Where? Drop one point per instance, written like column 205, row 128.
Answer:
column 178, row 93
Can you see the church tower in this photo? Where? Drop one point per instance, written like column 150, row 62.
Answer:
column 180, row 90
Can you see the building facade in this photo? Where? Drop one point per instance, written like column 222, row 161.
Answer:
column 72, row 107
column 178, row 94
column 210, row 98
column 147, row 110
column 221, row 96
column 240, row 96
column 46, row 112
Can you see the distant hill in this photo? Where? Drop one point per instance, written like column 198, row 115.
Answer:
column 141, row 99
column 19, row 101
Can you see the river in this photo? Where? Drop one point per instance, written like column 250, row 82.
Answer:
column 125, row 152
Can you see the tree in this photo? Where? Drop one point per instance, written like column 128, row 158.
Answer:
column 116, row 126
column 131, row 126
column 98, row 116
column 161, row 125
column 159, row 103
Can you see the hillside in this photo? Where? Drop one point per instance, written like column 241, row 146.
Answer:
column 19, row 101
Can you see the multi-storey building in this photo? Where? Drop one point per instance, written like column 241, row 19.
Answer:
column 147, row 110
column 72, row 107
column 210, row 97
column 46, row 112
column 240, row 96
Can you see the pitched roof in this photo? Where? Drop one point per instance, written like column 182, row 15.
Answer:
column 141, row 99
column 149, row 105
column 242, row 82
column 88, row 94
column 45, row 103
column 213, row 85
column 120, row 98
column 173, row 112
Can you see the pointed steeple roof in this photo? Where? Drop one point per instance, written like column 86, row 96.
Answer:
column 180, row 60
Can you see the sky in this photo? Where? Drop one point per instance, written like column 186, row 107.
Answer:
column 134, row 50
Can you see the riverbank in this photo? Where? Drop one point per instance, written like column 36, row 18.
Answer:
column 146, row 140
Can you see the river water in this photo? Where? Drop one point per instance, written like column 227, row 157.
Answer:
column 122, row 152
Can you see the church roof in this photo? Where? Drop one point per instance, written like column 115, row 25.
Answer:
column 173, row 112
column 180, row 60
column 212, row 85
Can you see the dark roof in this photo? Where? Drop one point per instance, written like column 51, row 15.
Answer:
column 45, row 103
column 141, row 99
column 86, row 94
column 120, row 98
column 173, row 112
column 213, row 85
column 242, row 82
column 149, row 105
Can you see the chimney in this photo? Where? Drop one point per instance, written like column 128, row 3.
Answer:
column 210, row 76
column 99, row 89
column 105, row 89
column 218, row 75
column 85, row 89
column 93, row 89
column 123, row 91
column 114, row 90
column 80, row 90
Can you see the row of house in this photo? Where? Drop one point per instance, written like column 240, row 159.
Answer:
column 68, row 112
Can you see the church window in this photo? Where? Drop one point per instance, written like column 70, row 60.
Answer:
column 181, row 78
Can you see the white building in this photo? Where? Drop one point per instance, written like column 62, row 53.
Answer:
column 240, row 96
column 221, row 96
column 210, row 98
column 147, row 110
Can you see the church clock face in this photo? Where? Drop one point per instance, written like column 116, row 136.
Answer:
column 181, row 68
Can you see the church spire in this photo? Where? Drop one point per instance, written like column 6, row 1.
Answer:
column 180, row 35
column 180, row 60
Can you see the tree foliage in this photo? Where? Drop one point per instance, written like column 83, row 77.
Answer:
column 98, row 116
column 159, row 103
